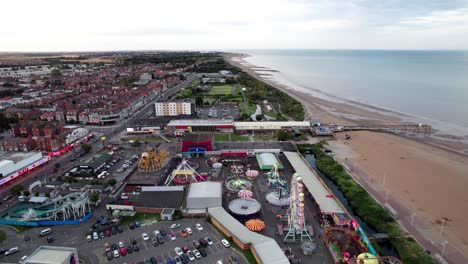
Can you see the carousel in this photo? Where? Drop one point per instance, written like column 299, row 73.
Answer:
column 152, row 160
column 255, row 225
column 185, row 173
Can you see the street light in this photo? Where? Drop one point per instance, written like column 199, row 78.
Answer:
column 442, row 227
column 443, row 247
column 103, row 139
column 412, row 218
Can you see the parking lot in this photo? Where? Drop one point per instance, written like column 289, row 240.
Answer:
column 219, row 112
column 164, row 251
column 93, row 252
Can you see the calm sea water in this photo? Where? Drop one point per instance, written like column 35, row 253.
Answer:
column 431, row 86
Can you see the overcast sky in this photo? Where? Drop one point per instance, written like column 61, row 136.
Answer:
column 70, row 25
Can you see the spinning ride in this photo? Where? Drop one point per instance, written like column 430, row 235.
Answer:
column 185, row 173
column 296, row 218
column 235, row 184
column 152, row 160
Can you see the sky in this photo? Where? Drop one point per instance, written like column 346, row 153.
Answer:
column 98, row 25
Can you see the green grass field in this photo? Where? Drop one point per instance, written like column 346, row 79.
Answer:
column 235, row 137
column 221, row 90
column 221, row 137
column 248, row 108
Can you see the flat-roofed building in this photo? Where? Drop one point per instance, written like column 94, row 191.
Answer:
column 53, row 255
column 173, row 108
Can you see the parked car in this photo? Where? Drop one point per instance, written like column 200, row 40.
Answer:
column 89, row 238
column 129, row 249
column 154, row 260
column 133, row 241
column 203, row 242
column 114, row 230
column 50, row 239
column 190, row 256
column 123, row 251
column 26, row 237
column 23, row 258
column 177, row 260
column 210, row 242
column 101, row 235
column 183, row 233
column 172, row 236
column 136, row 248
column 184, row 259
column 137, row 224
column 119, row 229
column 110, row 255
column 225, row 243
column 108, row 233
column 11, row 251
column 189, row 230
column 163, row 232
column 145, row 236
column 155, row 242
column 185, row 249
column 233, row 260
column 121, row 244
column 196, row 244
column 131, row 226
column 114, row 247
column 196, row 253
column 199, row 226
column 116, row 253
column 95, row 236
column 174, row 226
column 170, row 261
column 107, row 247
column 203, row 252
column 178, row 251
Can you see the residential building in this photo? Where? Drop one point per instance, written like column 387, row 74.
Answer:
column 173, row 108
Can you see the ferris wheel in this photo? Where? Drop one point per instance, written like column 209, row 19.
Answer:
column 296, row 218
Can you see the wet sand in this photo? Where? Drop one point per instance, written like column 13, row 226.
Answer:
column 428, row 175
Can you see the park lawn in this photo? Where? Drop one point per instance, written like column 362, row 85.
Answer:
column 2, row 236
column 221, row 137
column 194, row 83
column 248, row 108
column 184, row 93
column 235, row 137
column 208, row 100
column 221, row 90
column 265, row 137
column 140, row 217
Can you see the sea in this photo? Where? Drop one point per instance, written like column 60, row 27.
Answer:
column 429, row 87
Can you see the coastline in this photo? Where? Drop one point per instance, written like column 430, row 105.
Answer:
column 417, row 171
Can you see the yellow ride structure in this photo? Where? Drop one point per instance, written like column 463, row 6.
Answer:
column 152, row 160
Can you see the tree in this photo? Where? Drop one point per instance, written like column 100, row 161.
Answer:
column 245, row 116
column 86, row 147
column 47, row 194
column 260, row 117
column 112, row 182
column 94, row 197
column 136, row 143
column 283, row 135
column 26, row 193
column 199, row 101
column 16, row 189
column 55, row 72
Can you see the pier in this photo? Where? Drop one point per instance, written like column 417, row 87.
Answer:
column 411, row 130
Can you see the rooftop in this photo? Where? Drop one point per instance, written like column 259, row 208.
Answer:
column 201, row 122
column 17, row 156
column 51, row 255
column 193, row 137
column 205, row 189
column 160, row 199
column 315, row 186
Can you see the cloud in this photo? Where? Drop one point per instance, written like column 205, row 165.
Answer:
column 440, row 18
column 149, row 31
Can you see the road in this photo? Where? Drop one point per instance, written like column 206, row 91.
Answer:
column 110, row 132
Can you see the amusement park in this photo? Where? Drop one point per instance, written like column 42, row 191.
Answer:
column 264, row 198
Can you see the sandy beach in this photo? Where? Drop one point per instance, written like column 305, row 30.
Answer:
column 429, row 176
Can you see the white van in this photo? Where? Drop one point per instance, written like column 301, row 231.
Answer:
column 45, row 232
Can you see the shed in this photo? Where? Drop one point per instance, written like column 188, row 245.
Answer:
column 167, row 214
